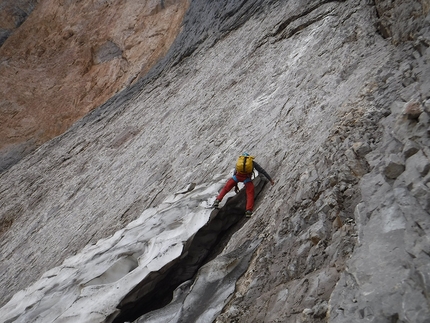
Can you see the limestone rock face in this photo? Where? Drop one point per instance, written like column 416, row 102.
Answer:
column 401, row 22
column 68, row 57
column 386, row 278
column 321, row 93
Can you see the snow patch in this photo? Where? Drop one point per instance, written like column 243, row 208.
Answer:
column 89, row 286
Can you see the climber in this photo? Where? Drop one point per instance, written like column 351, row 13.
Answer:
column 244, row 168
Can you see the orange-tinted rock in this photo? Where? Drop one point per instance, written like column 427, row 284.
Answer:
column 59, row 65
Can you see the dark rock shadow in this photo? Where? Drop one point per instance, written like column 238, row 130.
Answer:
column 156, row 291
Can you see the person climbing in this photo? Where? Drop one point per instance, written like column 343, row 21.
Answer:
column 244, row 168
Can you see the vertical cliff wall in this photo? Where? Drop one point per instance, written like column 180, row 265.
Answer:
column 332, row 99
column 67, row 57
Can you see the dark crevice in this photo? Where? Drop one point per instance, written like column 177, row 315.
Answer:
column 283, row 32
column 156, row 290
column 381, row 26
column 293, row 18
column 294, row 31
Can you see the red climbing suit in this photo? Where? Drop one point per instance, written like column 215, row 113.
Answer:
column 249, row 187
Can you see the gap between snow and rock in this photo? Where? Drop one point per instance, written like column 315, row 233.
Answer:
column 138, row 269
column 157, row 290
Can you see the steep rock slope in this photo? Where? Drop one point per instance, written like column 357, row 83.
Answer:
column 68, row 57
column 313, row 89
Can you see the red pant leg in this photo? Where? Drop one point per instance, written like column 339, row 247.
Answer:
column 227, row 188
column 249, row 186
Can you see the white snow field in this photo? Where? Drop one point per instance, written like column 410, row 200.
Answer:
column 88, row 286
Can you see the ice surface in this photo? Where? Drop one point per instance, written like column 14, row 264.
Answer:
column 89, row 286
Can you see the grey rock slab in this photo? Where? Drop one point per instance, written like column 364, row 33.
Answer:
column 294, row 83
column 361, row 148
column 85, row 185
column 416, row 167
column 375, row 189
column 382, row 276
column 410, row 148
column 395, row 166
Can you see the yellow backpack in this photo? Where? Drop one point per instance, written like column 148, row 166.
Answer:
column 244, row 164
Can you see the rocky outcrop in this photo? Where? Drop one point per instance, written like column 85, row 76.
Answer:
column 72, row 63
column 387, row 277
column 402, row 22
column 332, row 98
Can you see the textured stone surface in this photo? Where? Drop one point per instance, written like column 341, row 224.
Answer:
column 384, row 281
column 72, row 63
column 395, row 166
column 13, row 13
column 298, row 84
